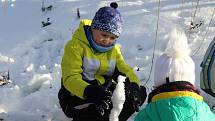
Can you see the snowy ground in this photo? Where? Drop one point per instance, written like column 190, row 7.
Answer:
column 32, row 53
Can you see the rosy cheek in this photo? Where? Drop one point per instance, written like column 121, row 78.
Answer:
column 109, row 43
column 99, row 41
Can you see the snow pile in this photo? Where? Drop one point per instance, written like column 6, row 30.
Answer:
column 118, row 99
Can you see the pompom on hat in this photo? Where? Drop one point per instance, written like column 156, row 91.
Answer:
column 108, row 19
column 175, row 64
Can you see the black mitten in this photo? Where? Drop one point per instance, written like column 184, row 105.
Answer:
column 100, row 97
column 132, row 91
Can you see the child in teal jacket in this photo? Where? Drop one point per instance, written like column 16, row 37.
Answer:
column 175, row 97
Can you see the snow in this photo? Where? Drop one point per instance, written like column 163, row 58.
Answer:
column 33, row 53
column 118, row 99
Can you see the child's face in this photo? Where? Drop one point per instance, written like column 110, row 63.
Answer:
column 104, row 39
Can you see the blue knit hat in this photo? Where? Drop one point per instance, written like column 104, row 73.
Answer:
column 108, row 19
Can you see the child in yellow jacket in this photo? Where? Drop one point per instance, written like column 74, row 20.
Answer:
column 90, row 63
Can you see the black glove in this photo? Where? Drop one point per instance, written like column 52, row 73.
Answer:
column 100, row 97
column 132, row 92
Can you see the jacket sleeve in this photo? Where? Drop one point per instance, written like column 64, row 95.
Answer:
column 125, row 68
column 71, row 66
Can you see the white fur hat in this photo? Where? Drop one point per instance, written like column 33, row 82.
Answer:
column 175, row 63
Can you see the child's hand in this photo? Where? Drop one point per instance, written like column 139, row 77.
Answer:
column 100, row 97
column 132, row 92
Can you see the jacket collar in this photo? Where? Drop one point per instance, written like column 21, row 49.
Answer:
column 167, row 95
column 173, row 86
column 80, row 32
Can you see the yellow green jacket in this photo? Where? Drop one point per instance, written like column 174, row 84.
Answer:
column 80, row 62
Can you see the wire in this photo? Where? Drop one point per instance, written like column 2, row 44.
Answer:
column 182, row 5
column 153, row 54
column 5, row 7
column 194, row 15
column 196, row 51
